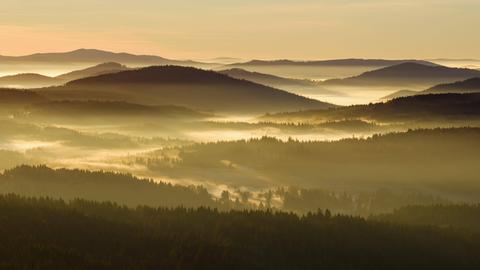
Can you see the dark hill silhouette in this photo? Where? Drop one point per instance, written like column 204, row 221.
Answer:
column 105, row 68
column 406, row 74
column 419, row 107
column 94, row 56
column 51, row 234
column 28, row 80
column 184, row 86
column 470, row 85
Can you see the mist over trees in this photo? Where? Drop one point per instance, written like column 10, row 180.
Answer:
column 407, row 160
column 178, row 167
column 438, row 109
column 125, row 189
column 100, row 186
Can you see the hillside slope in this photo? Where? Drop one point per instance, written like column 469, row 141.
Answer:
column 406, row 75
column 100, row 69
column 467, row 86
column 413, row 108
column 185, row 86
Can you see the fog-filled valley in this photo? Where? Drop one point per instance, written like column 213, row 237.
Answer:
column 342, row 145
column 237, row 130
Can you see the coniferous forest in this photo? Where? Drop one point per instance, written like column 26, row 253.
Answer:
column 52, row 234
column 270, row 135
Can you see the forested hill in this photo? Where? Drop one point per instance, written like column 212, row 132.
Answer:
column 470, row 85
column 13, row 97
column 49, row 234
column 398, row 161
column 185, row 86
column 464, row 217
column 100, row 186
column 407, row 74
column 413, row 108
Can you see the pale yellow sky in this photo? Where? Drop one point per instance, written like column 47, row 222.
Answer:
column 267, row 29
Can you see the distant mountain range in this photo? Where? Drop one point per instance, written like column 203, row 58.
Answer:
column 93, row 56
column 334, row 62
column 467, row 86
column 185, row 86
column 320, row 69
column 32, row 80
column 406, row 74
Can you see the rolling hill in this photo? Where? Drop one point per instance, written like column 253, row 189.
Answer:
column 117, row 109
column 35, row 104
column 467, row 86
column 398, row 94
column 28, row 80
column 297, row 86
column 428, row 107
column 105, row 68
column 406, row 74
column 33, row 80
column 184, row 86
column 266, row 79
column 318, row 70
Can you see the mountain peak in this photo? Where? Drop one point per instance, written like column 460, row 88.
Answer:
column 160, row 74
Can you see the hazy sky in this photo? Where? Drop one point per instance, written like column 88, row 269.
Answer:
column 300, row 29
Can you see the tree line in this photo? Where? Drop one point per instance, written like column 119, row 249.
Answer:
column 43, row 233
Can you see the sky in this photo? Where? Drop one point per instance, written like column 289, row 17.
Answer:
column 246, row 29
